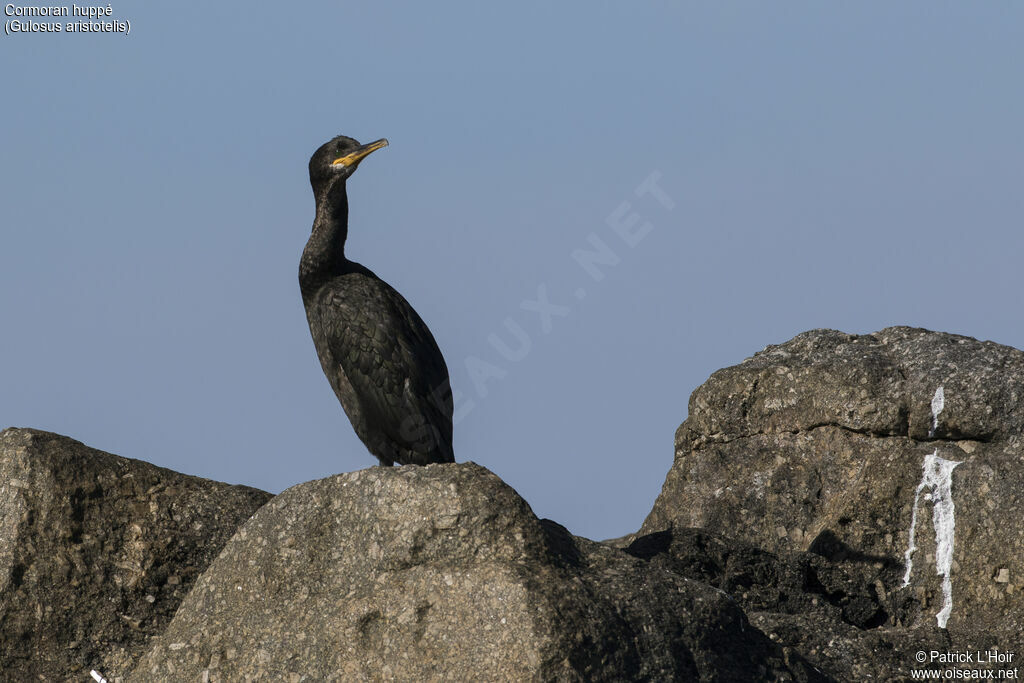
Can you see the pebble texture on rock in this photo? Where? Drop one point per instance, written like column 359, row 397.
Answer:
column 444, row 573
column 97, row 551
column 820, row 445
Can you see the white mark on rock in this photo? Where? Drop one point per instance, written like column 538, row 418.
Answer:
column 938, row 476
column 938, row 401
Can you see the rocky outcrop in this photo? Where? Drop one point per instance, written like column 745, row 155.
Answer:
column 97, row 551
column 894, row 456
column 837, row 504
column 444, row 573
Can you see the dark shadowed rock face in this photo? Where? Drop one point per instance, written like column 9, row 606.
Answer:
column 444, row 573
column 97, row 551
column 829, row 442
column 832, row 613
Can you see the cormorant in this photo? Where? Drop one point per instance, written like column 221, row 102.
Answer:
column 377, row 353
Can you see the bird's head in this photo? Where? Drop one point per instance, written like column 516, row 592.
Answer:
column 337, row 159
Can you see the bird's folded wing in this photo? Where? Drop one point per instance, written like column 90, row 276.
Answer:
column 389, row 356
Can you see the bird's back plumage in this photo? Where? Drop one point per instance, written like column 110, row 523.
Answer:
column 385, row 367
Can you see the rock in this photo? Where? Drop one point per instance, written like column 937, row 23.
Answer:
column 829, row 443
column 97, row 551
column 828, row 611
column 761, row 581
column 838, row 504
column 444, row 573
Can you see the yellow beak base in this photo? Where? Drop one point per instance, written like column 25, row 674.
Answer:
column 353, row 158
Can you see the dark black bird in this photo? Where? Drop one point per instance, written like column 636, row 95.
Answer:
column 377, row 353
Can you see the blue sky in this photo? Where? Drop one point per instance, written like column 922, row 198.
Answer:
column 851, row 167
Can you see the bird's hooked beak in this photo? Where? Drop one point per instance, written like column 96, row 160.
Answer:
column 352, row 159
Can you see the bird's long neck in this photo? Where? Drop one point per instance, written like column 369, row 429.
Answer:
column 324, row 255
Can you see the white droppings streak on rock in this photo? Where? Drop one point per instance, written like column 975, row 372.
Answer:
column 938, row 476
column 938, row 401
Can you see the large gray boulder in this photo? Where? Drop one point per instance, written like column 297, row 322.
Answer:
column 444, row 573
column 97, row 551
column 896, row 455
